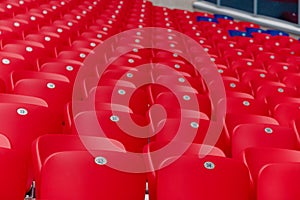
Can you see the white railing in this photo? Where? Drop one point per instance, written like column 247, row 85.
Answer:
column 251, row 17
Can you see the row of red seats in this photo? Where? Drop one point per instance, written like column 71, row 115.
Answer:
column 282, row 138
column 60, row 48
column 30, row 114
column 229, row 176
column 266, row 130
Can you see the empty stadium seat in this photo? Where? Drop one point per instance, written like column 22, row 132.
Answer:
column 256, row 158
column 46, row 145
column 246, row 106
column 13, row 175
column 234, row 119
column 33, row 117
column 56, row 92
column 32, row 53
column 43, row 49
column 153, row 159
column 204, row 175
column 76, row 175
column 262, row 135
column 283, row 177
column 109, row 120
column 65, row 68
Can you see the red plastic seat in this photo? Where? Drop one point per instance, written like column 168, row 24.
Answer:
column 133, row 135
column 63, row 32
column 171, row 102
column 235, row 54
column 266, row 58
column 31, row 52
column 245, row 63
column 10, row 8
column 289, row 41
column 67, row 69
column 287, row 113
column 137, row 19
column 88, row 10
column 257, row 158
column 285, row 52
column 274, row 44
column 184, row 13
column 10, row 62
column 73, row 55
column 219, row 37
column 49, row 40
column 226, row 71
column 192, row 149
column 33, row 119
column 247, row 76
column 33, row 21
column 225, row 45
column 284, row 180
column 82, row 20
column 130, row 74
column 204, row 175
column 26, row 4
column 282, row 68
column 76, row 175
column 191, row 30
column 246, row 106
column 45, row 13
column 196, row 83
column 15, row 25
column 72, row 25
column 243, row 43
column 228, row 24
column 206, row 47
column 60, row 7
column 167, row 128
column 265, row 89
column 19, row 99
column 262, row 135
column 274, row 101
column 179, row 65
column 236, row 119
column 55, row 92
column 234, row 85
column 246, row 24
column 20, row 75
column 153, row 159
column 83, row 44
column 203, row 14
column 13, row 175
column 291, row 80
column 92, row 36
column 129, row 60
column 52, row 11
column 104, row 29
column 218, row 60
column 294, row 49
column 108, row 22
column 295, row 59
column 135, row 98
column 260, row 37
column 46, row 145
column 6, row 35
column 255, row 49
column 239, row 95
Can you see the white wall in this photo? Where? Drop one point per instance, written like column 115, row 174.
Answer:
column 182, row 4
